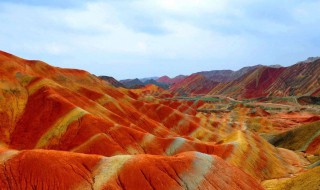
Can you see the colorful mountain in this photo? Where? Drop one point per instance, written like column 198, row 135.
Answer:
column 229, row 75
column 301, row 79
column 154, row 82
column 203, row 82
column 193, row 85
column 112, row 81
column 68, row 129
column 168, row 80
column 297, row 80
column 132, row 83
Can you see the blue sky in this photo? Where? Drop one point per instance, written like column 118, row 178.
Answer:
column 143, row 38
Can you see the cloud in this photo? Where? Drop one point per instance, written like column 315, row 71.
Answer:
column 157, row 37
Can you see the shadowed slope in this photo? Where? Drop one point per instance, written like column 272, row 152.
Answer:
column 308, row 180
column 304, row 138
column 112, row 81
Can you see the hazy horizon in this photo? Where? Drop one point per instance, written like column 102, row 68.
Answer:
column 146, row 38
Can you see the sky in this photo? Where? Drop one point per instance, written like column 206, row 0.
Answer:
column 145, row 38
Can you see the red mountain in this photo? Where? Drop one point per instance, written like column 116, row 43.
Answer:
column 68, row 129
column 297, row 80
column 193, row 85
column 168, row 80
column 301, row 79
column 203, row 82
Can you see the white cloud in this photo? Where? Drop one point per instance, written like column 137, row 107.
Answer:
column 192, row 6
column 208, row 34
column 307, row 12
column 96, row 28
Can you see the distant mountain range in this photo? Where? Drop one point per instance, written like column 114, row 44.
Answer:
column 249, row 82
column 297, row 80
column 148, row 79
column 134, row 83
column 138, row 83
column 257, row 81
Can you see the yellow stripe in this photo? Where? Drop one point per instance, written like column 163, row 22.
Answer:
column 60, row 127
column 43, row 82
column 107, row 168
column 6, row 155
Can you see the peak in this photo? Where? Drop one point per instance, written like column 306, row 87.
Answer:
column 275, row 66
column 164, row 77
column 309, row 60
column 5, row 53
column 312, row 59
column 8, row 55
column 107, row 77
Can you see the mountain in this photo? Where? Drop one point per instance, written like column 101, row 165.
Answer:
column 132, row 83
column 301, row 79
column 214, row 75
column 168, row 80
column 81, row 171
column 311, row 59
column 112, row 81
column 203, row 82
column 68, row 129
column 148, row 78
column 164, row 79
column 217, row 75
column 193, row 85
column 152, row 81
column 137, row 83
column 64, row 112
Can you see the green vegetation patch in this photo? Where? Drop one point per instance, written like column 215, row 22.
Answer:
column 197, row 98
column 299, row 138
column 254, row 124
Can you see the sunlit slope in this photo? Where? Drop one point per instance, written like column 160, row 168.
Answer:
column 42, row 169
